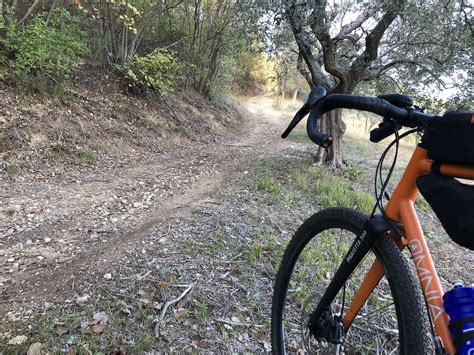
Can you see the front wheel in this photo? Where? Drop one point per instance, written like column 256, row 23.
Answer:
column 391, row 321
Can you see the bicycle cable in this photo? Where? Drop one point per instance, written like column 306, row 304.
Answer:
column 378, row 172
column 383, row 193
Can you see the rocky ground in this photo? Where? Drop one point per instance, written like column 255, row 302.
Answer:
column 175, row 251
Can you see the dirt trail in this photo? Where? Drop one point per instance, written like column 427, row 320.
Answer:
column 123, row 240
column 56, row 233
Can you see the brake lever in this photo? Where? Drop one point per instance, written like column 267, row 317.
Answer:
column 302, row 112
column 316, row 94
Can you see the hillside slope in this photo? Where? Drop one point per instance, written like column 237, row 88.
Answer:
column 97, row 121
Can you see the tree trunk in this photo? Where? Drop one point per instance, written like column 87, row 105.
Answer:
column 332, row 124
column 50, row 13
column 280, row 95
column 293, row 98
column 2, row 21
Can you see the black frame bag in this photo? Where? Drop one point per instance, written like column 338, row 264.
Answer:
column 453, row 204
column 450, row 138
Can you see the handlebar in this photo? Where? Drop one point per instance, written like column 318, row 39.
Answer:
column 400, row 116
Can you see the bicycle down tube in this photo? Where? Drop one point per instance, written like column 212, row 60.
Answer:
column 401, row 208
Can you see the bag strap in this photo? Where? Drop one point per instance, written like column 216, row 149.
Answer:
column 436, row 167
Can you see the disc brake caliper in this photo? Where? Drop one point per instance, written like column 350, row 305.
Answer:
column 328, row 328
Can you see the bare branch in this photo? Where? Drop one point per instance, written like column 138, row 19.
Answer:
column 372, row 42
column 381, row 70
column 156, row 329
column 28, row 13
column 50, row 13
column 466, row 16
column 347, row 29
column 2, row 21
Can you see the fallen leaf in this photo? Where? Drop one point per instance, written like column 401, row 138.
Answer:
column 34, row 349
column 101, row 319
column 127, row 310
column 266, row 345
column 119, row 351
column 98, row 324
column 180, row 312
column 199, row 343
column 61, row 330
column 18, row 340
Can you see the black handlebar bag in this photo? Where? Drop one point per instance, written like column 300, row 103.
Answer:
column 453, row 204
column 450, row 138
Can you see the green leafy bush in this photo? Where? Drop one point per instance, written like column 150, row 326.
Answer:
column 159, row 70
column 44, row 54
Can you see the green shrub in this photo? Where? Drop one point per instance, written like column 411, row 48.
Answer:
column 159, row 70
column 43, row 55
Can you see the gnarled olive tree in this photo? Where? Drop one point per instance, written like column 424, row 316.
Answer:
column 342, row 44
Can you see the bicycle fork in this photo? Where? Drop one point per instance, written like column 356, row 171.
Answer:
column 374, row 228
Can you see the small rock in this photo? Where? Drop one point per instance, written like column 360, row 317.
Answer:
column 83, row 299
column 9, row 232
column 40, row 257
column 47, row 240
column 108, row 276
column 35, row 349
column 127, row 310
column 18, row 340
column 11, row 260
column 114, row 220
column 12, row 210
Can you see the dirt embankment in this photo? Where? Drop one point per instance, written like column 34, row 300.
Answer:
column 96, row 120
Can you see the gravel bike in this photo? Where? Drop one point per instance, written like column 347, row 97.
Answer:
column 344, row 285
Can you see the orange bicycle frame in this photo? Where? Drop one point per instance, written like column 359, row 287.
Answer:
column 400, row 208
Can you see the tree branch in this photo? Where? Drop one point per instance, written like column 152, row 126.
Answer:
column 303, row 69
column 372, row 42
column 317, row 75
column 347, row 29
column 28, row 13
column 321, row 31
column 381, row 70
